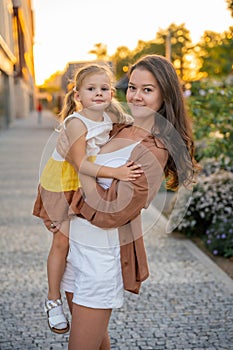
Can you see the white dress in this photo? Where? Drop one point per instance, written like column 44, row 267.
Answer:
column 59, row 175
column 97, row 132
column 93, row 272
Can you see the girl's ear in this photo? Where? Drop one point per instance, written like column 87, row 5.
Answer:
column 76, row 96
column 112, row 93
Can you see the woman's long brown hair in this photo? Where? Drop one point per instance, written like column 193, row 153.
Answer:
column 172, row 124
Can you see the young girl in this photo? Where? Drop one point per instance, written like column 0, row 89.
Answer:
column 88, row 114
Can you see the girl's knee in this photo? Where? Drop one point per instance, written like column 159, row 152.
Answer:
column 60, row 241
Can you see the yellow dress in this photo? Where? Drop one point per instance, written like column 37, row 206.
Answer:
column 59, row 180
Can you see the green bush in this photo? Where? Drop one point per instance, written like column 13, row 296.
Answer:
column 219, row 237
column 211, row 108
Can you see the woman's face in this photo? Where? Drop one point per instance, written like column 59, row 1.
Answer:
column 143, row 94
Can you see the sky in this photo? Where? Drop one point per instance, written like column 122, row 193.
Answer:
column 66, row 30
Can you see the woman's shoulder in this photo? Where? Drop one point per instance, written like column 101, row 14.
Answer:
column 154, row 140
column 149, row 153
column 118, row 128
column 154, row 145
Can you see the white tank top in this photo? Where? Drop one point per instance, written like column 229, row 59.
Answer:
column 97, row 132
column 113, row 159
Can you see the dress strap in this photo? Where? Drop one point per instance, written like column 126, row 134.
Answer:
column 107, row 118
column 71, row 116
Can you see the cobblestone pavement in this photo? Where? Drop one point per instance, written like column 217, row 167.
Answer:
column 187, row 303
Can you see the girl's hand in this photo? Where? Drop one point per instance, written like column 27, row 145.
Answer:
column 128, row 172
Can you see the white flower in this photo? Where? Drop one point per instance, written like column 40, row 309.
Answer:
column 202, row 92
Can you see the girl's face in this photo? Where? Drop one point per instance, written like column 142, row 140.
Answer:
column 143, row 93
column 95, row 91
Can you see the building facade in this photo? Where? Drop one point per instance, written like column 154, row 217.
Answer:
column 17, row 78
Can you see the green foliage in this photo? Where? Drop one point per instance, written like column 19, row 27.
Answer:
column 180, row 43
column 149, row 48
column 120, row 95
column 179, row 37
column 211, row 57
column 121, row 59
column 219, row 238
column 211, row 108
column 230, row 6
column 217, row 53
column 100, row 50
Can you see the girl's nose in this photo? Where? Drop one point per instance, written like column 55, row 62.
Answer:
column 99, row 92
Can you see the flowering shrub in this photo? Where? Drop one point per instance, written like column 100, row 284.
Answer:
column 219, row 237
column 210, row 212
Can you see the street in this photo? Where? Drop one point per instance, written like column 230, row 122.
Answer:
column 186, row 304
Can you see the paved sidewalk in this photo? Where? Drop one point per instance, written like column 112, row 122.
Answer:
column 187, row 303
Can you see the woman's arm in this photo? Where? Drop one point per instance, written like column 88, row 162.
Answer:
column 123, row 201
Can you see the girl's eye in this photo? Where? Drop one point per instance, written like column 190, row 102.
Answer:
column 91, row 88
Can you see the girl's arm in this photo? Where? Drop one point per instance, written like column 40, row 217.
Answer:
column 127, row 172
column 76, row 132
column 78, row 158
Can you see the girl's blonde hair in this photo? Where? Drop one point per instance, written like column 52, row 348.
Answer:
column 70, row 105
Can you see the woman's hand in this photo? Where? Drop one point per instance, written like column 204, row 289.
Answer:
column 52, row 226
column 55, row 226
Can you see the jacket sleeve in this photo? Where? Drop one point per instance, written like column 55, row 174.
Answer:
column 123, row 201
column 52, row 207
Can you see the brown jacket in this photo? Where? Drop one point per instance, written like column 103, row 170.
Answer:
column 120, row 207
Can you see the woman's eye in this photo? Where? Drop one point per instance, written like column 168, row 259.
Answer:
column 130, row 87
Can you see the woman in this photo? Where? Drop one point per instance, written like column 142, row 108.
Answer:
column 107, row 254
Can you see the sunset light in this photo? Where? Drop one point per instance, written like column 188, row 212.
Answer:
column 68, row 30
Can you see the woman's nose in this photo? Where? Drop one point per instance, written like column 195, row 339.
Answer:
column 137, row 95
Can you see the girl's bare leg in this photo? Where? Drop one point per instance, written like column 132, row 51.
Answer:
column 56, row 264
column 89, row 328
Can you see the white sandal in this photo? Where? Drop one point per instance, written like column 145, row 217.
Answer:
column 57, row 317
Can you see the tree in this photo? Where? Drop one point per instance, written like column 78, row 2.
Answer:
column 121, row 60
column 147, row 48
column 217, row 53
column 230, row 6
column 177, row 38
column 100, row 50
